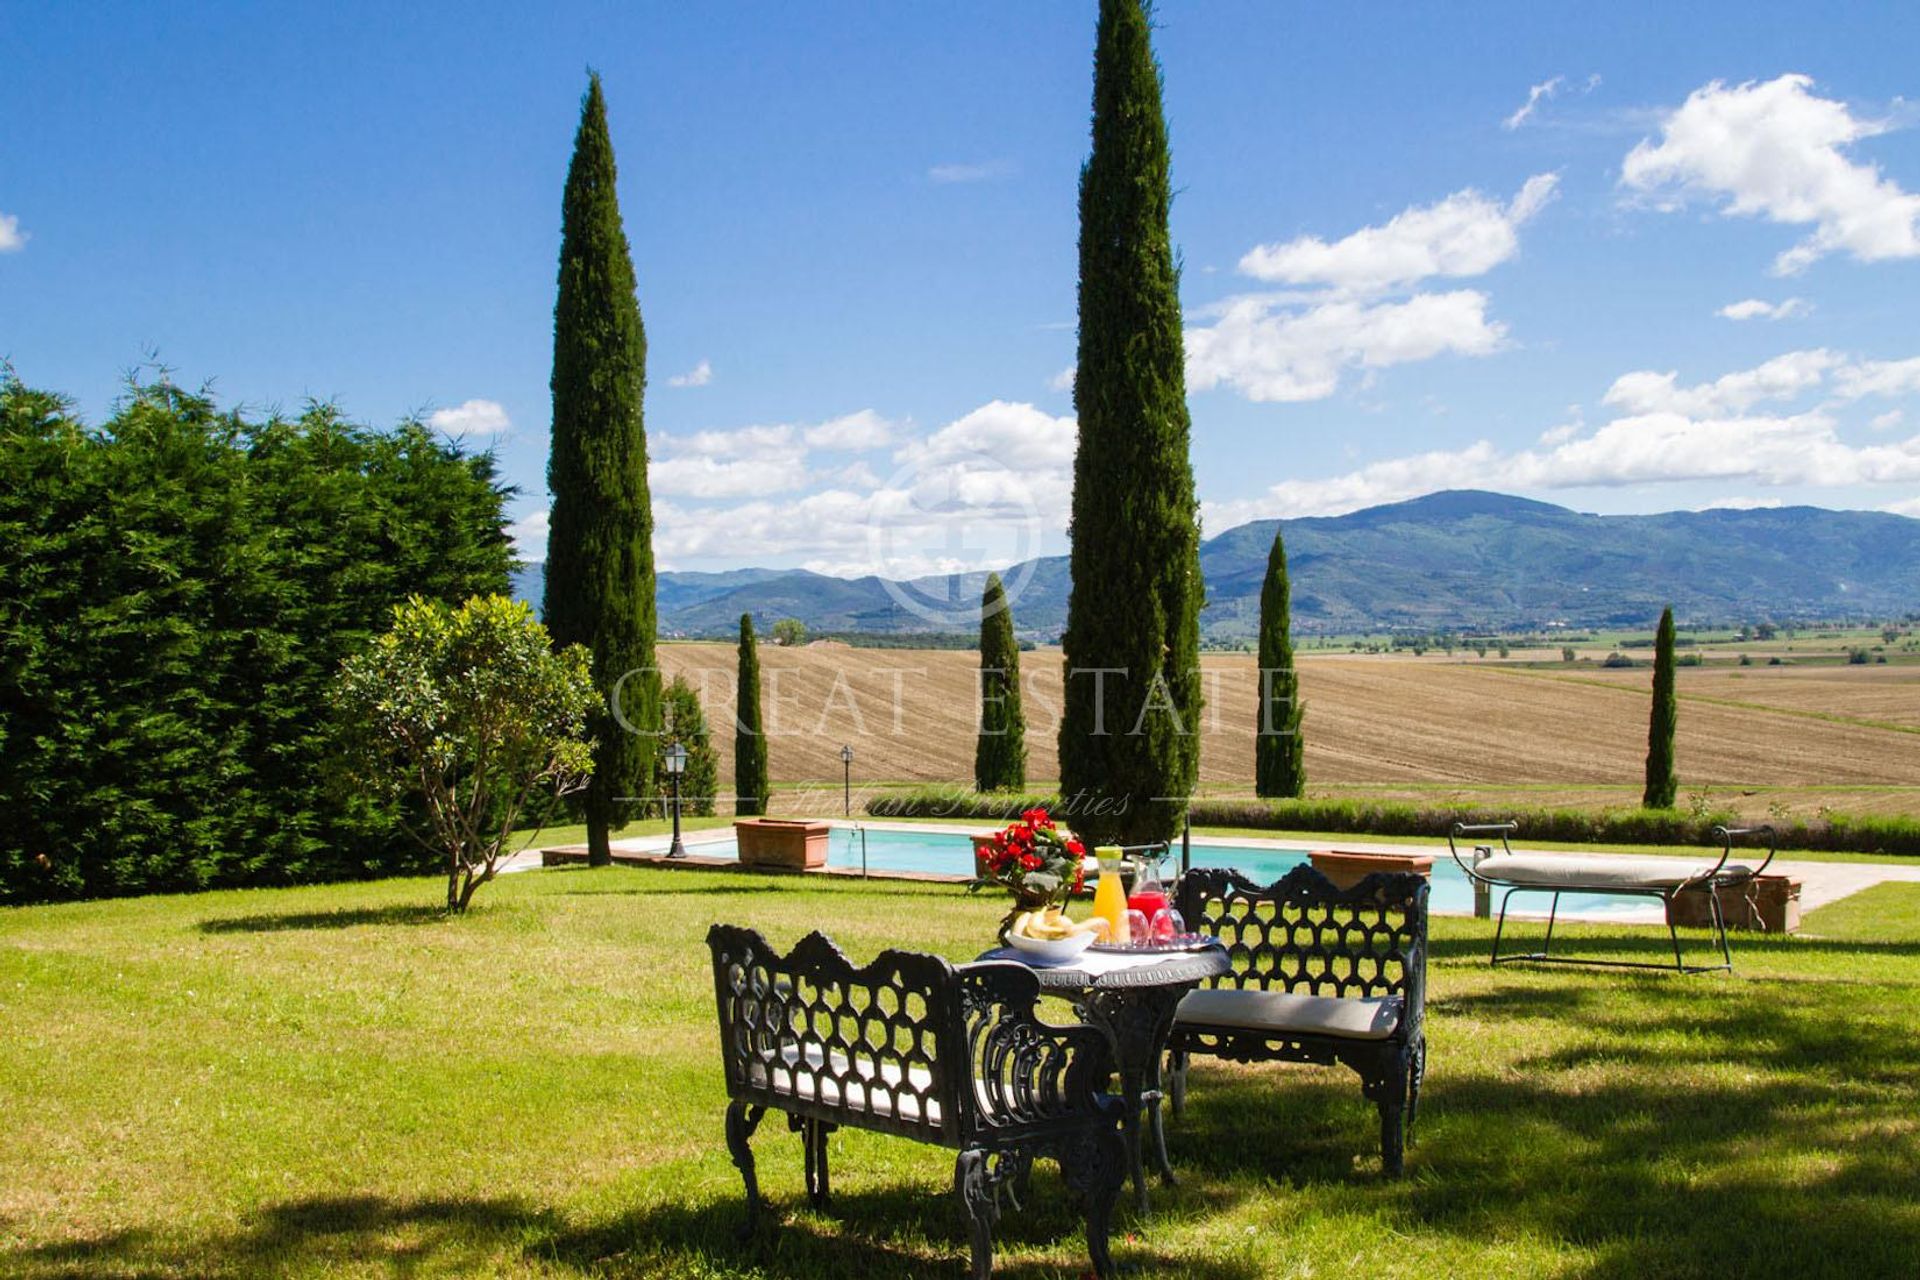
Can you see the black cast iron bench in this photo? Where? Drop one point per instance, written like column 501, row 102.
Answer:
column 1320, row 975
column 915, row 1046
column 1612, row 874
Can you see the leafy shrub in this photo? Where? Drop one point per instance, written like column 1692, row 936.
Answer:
column 467, row 711
column 1616, row 660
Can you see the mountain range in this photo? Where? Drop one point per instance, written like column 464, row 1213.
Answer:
column 1453, row 560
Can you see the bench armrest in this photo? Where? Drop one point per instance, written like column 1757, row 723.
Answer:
column 1501, row 829
column 1726, row 836
column 1026, row 1072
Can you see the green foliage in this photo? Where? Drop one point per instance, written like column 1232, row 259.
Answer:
column 1831, row 833
column 789, row 632
column 683, row 721
column 751, row 785
column 1000, row 756
column 599, row 572
column 468, row 711
column 177, row 589
column 1279, row 752
column 1129, row 731
column 1661, row 780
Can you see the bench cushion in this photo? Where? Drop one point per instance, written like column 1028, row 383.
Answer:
column 1597, row 871
column 819, row 1080
column 1371, row 1018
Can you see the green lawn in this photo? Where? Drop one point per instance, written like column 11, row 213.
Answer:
column 338, row 1081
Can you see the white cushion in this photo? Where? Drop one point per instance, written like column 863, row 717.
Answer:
column 1356, row 1018
column 1596, row 871
column 819, row 1078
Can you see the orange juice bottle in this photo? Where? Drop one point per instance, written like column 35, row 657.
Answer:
column 1110, row 894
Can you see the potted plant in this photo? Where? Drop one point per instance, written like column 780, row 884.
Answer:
column 1034, row 861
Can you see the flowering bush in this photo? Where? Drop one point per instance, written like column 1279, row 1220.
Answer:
column 1035, row 861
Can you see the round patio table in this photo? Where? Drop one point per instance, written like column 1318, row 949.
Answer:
column 1130, row 995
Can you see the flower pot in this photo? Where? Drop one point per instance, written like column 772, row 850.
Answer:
column 793, row 844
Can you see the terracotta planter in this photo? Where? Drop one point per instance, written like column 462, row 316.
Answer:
column 1771, row 904
column 796, row 844
column 980, row 846
column 1348, row 869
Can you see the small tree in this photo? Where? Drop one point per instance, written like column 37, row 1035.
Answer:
column 1279, row 753
column 789, row 632
column 683, row 721
column 750, row 787
column 1661, row 781
column 470, row 711
column 1000, row 756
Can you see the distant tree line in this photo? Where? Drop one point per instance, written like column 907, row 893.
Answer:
column 178, row 587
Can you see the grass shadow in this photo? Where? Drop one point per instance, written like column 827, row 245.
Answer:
column 905, row 1230
column 399, row 914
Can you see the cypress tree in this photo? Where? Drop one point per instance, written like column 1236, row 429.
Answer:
column 1000, row 758
column 1661, row 781
column 750, row 786
column 682, row 720
column 600, row 582
column 1279, row 753
column 1129, row 746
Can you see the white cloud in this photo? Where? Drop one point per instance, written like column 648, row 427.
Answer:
column 1300, row 355
column 728, row 464
column 1744, row 504
column 1063, row 380
column 1665, row 434
column 1773, row 149
column 1466, row 234
column 948, row 174
column 1911, row 507
column 12, row 238
column 1780, row 378
column 471, row 418
column 698, row 376
column 863, row 429
column 1014, row 435
column 1760, row 309
column 1542, row 92
column 1879, row 378
column 529, row 534
column 1888, row 420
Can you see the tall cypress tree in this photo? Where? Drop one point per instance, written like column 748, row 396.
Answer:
column 1129, row 742
column 1000, row 758
column 600, row 583
column 750, row 787
column 1279, row 753
column 1661, row 780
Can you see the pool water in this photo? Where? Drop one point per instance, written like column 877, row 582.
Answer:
column 951, row 853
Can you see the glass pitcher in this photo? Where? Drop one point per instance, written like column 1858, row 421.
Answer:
column 1110, row 894
column 1149, row 896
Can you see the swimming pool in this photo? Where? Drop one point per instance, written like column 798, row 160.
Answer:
column 950, row 852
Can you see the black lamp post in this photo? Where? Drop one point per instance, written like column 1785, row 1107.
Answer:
column 846, row 758
column 676, row 765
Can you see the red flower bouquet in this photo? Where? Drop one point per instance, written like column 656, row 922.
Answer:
column 1035, row 861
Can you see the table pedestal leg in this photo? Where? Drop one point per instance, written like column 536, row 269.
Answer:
column 1138, row 1023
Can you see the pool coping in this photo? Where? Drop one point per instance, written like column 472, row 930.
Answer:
column 1821, row 882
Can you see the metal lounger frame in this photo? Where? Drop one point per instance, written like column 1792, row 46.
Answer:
column 1711, row 880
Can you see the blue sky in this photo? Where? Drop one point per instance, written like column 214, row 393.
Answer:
column 854, row 226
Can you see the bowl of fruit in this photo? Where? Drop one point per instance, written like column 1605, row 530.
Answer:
column 1050, row 938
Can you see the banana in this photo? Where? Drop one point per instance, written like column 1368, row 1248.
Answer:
column 1020, row 923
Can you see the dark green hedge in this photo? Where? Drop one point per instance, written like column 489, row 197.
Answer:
column 177, row 588
column 1384, row 818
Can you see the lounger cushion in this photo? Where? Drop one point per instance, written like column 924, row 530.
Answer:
column 1282, row 1011
column 1597, row 871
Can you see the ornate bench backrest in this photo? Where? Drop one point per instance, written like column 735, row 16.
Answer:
column 876, row 1046
column 1303, row 934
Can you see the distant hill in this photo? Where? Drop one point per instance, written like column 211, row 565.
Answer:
column 1453, row 560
